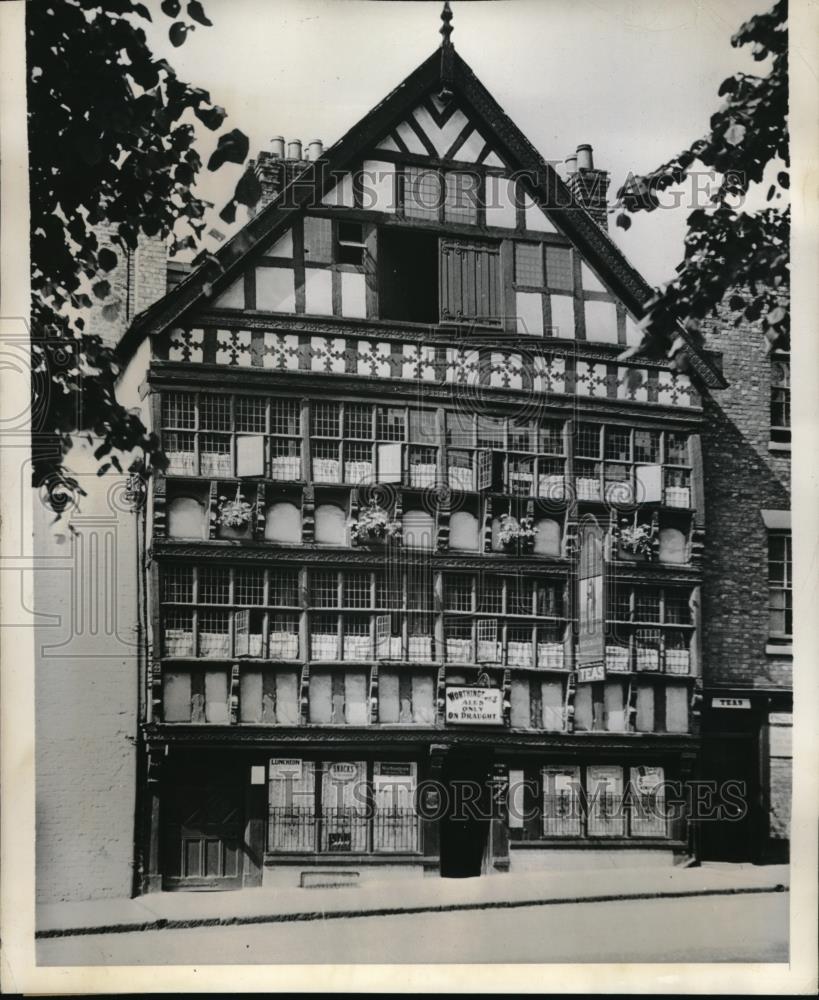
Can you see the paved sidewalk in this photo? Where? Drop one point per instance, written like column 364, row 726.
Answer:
column 429, row 894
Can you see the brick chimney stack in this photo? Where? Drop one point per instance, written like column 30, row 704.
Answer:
column 275, row 170
column 588, row 185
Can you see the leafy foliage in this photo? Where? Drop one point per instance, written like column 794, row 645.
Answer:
column 735, row 260
column 111, row 142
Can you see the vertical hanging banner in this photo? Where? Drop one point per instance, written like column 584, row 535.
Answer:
column 591, row 602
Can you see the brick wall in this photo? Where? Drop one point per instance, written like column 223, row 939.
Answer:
column 86, row 696
column 742, row 477
column 136, row 282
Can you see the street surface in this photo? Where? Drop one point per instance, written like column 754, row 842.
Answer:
column 749, row 927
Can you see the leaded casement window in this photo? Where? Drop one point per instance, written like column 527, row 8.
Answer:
column 649, row 629
column 364, row 625
column 540, row 266
column 574, row 802
column 441, row 195
column 357, row 442
column 222, row 612
column 520, row 458
column 627, row 465
column 516, row 621
column 780, row 399
column 343, row 807
column 222, row 435
column 780, row 585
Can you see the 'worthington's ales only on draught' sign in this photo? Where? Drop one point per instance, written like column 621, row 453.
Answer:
column 591, row 602
column 476, row 706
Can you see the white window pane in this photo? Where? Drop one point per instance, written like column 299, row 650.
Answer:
column 601, row 322
column 353, row 295
column 275, row 289
column 529, row 312
column 318, row 291
column 562, row 316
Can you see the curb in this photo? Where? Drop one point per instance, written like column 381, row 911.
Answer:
column 162, row 923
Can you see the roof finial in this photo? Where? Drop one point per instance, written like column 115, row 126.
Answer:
column 447, row 49
column 446, row 28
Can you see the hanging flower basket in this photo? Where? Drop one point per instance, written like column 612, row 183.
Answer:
column 517, row 534
column 636, row 540
column 234, row 512
column 374, row 525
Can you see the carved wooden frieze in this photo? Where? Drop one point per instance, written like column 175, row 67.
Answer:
column 536, row 368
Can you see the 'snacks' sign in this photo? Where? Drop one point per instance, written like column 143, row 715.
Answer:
column 474, row 706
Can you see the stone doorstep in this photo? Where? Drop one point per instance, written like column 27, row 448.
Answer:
column 258, row 904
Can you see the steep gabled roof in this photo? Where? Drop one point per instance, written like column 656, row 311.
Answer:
column 444, row 67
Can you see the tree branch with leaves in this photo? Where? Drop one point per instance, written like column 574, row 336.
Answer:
column 736, row 260
column 112, row 141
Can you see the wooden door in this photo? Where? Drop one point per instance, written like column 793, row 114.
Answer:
column 204, row 844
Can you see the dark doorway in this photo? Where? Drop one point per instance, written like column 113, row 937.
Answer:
column 465, row 826
column 408, row 276
column 731, row 758
column 204, row 828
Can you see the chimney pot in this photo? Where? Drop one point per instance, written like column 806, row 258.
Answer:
column 294, row 149
column 571, row 164
column 584, row 157
column 277, row 146
column 315, row 149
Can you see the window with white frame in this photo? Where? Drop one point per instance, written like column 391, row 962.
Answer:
column 219, row 435
column 780, row 585
column 625, row 465
column 649, row 629
column 780, row 398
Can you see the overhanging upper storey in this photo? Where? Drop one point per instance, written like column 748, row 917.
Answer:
column 432, row 243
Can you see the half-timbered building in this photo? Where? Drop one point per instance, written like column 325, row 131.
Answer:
column 400, row 429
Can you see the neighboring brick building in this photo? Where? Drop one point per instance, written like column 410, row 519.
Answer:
column 747, row 591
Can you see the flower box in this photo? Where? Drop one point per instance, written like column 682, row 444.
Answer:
column 181, row 463
column 519, row 654
column 218, row 466
column 514, row 535
column 678, row 496
column 677, row 661
column 460, row 478
column 459, row 650
column 214, row 644
column 551, row 487
column 324, row 646
column 550, row 655
column 229, row 531
column 285, row 467
column 358, row 472
column 423, row 475
column 374, row 525
column 178, row 642
column 326, row 470
column 284, row 646
column 617, row 659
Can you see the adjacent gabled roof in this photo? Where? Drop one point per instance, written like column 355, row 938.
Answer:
column 547, row 190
